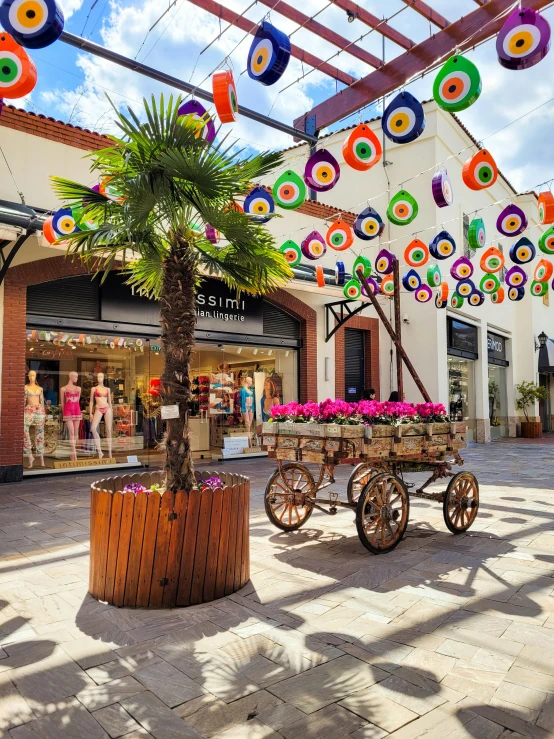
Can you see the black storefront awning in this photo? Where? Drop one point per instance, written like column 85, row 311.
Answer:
column 546, row 357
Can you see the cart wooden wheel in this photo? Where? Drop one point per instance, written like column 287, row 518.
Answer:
column 359, row 478
column 286, row 496
column 461, row 502
column 382, row 513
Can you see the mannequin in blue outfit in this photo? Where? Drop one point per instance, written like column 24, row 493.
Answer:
column 246, row 397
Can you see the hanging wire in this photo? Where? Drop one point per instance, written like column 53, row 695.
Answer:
column 153, row 26
column 100, row 15
column 88, row 16
column 18, row 190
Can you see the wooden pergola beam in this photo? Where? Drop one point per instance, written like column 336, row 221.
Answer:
column 373, row 22
column 428, row 12
column 479, row 25
column 323, row 32
column 232, row 17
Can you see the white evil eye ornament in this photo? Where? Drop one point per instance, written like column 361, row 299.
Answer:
column 442, row 246
column 411, row 281
column 368, row 225
column 259, row 203
column 403, row 120
column 512, row 221
column 313, row 246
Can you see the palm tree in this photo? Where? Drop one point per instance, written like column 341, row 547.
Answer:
column 165, row 184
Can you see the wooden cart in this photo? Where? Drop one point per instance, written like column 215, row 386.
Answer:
column 376, row 490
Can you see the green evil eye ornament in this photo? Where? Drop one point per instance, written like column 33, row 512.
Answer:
column 402, row 209
column 365, row 264
column 289, row 190
column 457, row 85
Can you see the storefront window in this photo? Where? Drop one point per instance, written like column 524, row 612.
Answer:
column 461, row 385
column 498, row 401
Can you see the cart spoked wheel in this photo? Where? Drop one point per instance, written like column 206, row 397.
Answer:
column 359, row 478
column 382, row 513
column 461, row 502
column 286, row 496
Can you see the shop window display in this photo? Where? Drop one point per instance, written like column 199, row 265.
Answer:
column 462, row 393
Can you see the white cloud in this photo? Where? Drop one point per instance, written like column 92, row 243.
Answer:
column 70, row 7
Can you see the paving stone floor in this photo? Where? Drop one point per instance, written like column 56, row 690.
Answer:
column 447, row 636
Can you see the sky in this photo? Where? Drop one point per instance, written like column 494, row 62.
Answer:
column 72, row 85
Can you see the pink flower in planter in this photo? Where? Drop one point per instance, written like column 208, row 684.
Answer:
column 135, row 487
column 431, row 412
column 211, row 483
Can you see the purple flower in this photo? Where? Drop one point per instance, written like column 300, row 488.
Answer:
column 134, row 487
column 211, row 483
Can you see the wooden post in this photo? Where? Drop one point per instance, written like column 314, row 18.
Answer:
column 392, row 334
column 398, row 329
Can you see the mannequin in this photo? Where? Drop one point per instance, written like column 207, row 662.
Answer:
column 101, row 407
column 70, row 396
column 246, row 396
column 34, row 415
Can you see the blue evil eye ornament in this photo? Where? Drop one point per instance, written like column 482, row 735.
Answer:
column 269, row 54
column 476, row 298
column 403, row 119
column 411, row 281
column 465, row 288
column 368, row 225
column 33, row 23
column 64, row 222
column 340, row 274
column 516, row 293
column 442, row 246
column 259, row 203
column 523, row 251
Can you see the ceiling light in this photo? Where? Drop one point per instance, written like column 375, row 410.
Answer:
column 255, row 351
column 287, row 353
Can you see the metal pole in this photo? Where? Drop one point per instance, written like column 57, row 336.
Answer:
column 167, row 79
column 390, row 330
column 398, row 329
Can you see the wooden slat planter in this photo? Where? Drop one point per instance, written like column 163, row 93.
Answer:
column 153, row 551
column 531, row 429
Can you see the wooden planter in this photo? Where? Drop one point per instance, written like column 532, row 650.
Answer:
column 531, row 429
column 161, row 551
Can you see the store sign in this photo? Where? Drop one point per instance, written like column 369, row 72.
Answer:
column 496, row 346
column 155, row 348
column 462, row 336
column 219, row 309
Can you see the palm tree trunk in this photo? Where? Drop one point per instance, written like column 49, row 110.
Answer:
column 178, row 319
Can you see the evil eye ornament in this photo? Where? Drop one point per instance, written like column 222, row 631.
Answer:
column 322, row 171
column 292, row 252
column 84, row 221
column 434, row 276
column 516, row 293
column 269, row 54
column 523, row 40
column 259, row 203
column 403, row 208
column 373, row 286
column 516, row 277
column 64, row 222
column 442, row 246
column 33, row 23
column 543, row 271
column 480, row 171
column 212, row 234
column 362, row 149
column 387, row 285
column 457, row 85
column 320, row 276
column 538, row 289
column 489, row 284
column 48, row 230
column 411, row 281
column 546, row 241
column 352, row 290
column 476, row 234
column 339, row 236
column 313, row 246
column 476, row 299
column 465, row 288
column 461, row 269
column 18, row 74
column 498, row 296
column 423, row 294
column 225, row 96
column 110, row 191
column 522, row 251
column 289, row 190
column 199, row 117
column 384, row 264
column 368, row 225
column 441, row 298
column 365, row 264
column 456, row 301
column 416, row 253
column 546, row 208
column 492, row 260
column 339, row 274
column 441, row 188
column 512, row 221
column 403, row 120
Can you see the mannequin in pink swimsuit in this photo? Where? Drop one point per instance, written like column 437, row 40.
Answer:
column 101, row 407
column 70, row 396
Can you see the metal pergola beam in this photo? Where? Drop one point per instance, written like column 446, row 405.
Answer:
column 428, row 12
column 479, row 25
column 323, row 32
column 373, row 22
column 155, row 74
column 231, row 16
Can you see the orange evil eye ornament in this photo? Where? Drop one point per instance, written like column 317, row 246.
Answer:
column 492, row 260
column 320, row 276
column 18, row 74
column 362, row 149
column 322, row 171
column 48, row 230
column 340, row 236
column 416, row 253
column 225, row 96
column 480, row 171
column 33, row 23
column 523, row 40
column 546, row 208
column 498, row 296
column 387, row 285
column 441, row 297
column 543, row 270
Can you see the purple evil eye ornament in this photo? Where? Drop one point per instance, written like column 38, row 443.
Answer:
column 199, row 113
column 523, row 40
column 322, row 171
column 373, row 286
column 512, row 221
column 442, row 189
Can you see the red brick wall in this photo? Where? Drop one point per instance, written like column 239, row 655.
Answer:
column 49, row 128
column 370, row 327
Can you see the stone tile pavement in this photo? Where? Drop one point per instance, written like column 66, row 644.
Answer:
column 444, row 637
